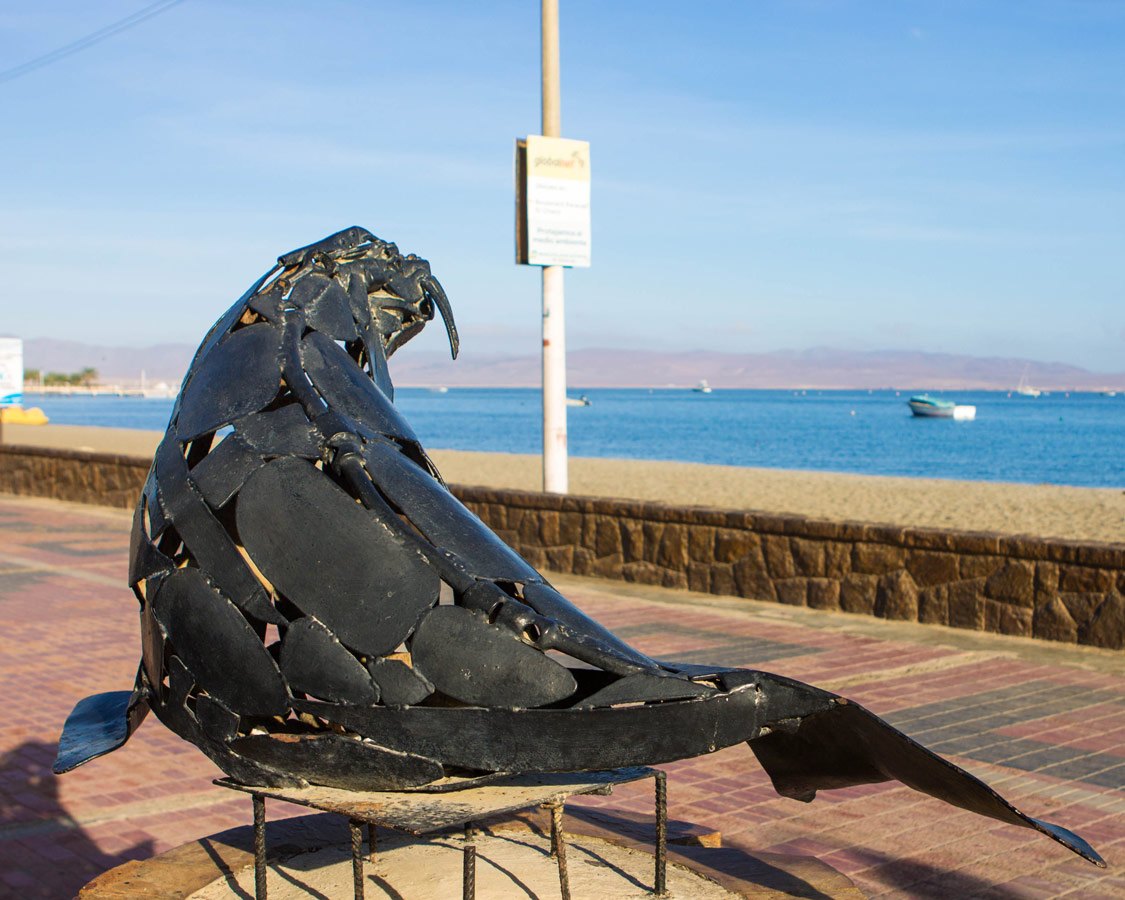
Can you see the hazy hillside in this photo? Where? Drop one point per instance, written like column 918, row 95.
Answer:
column 815, row 368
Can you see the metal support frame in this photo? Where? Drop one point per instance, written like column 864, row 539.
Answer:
column 471, row 831
column 558, row 849
column 660, row 887
column 259, row 846
column 469, row 873
column 355, row 827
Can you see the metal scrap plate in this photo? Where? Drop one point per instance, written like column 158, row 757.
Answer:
column 421, row 813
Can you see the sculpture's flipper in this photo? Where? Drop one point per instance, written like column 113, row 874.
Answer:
column 846, row 745
column 98, row 725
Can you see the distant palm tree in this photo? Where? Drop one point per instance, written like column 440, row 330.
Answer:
column 87, row 376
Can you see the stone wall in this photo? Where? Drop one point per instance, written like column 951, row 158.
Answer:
column 1057, row 590
column 105, row 479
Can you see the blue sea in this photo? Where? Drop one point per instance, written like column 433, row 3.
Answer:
column 1072, row 439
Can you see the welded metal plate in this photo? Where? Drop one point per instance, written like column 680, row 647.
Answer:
column 314, row 661
column 484, row 665
column 643, row 688
column 399, row 684
column 441, row 517
column 282, row 432
column 339, row 762
column 217, row 722
column 225, row 469
column 330, row 313
column 217, row 645
column 97, row 725
column 210, row 544
column 548, row 602
column 152, row 645
column 240, row 376
column 424, row 811
column 144, row 559
column 555, row 740
column 332, row 558
column 846, row 745
column 346, row 389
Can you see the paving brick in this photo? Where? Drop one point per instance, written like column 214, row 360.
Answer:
column 1046, row 727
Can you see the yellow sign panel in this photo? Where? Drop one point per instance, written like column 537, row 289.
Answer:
column 558, row 202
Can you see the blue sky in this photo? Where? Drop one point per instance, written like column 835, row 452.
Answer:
column 768, row 175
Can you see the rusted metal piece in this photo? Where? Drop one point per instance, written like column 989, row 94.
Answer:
column 291, row 546
column 661, row 790
column 469, row 873
column 420, row 812
column 260, row 892
column 558, row 849
column 355, row 830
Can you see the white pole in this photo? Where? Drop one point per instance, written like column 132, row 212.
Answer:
column 554, row 331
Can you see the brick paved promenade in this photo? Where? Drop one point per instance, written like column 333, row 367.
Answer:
column 1043, row 723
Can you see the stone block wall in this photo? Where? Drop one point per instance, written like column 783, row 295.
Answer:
column 1051, row 589
column 104, row 479
column 1057, row 590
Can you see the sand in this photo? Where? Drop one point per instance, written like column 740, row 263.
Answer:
column 1084, row 514
column 508, row 867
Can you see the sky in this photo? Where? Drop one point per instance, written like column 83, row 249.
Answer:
column 943, row 177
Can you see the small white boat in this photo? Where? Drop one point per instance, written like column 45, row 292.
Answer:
column 578, row 401
column 926, row 407
column 1024, row 389
column 703, row 387
column 439, row 390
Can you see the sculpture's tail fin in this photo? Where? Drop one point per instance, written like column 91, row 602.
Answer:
column 99, row 725
column 847, row 745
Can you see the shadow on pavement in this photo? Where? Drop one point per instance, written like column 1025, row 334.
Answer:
column 44, row 852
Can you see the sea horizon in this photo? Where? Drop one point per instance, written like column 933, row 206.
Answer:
column 1064, row 438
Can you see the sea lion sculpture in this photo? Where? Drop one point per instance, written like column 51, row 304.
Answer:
column 317, row 607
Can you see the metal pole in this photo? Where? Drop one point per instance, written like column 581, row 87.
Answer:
column 554, row 332
column 260, row 890
column 355, row 827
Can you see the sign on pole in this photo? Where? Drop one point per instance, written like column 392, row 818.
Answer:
column 11, row 372
column 553, row 202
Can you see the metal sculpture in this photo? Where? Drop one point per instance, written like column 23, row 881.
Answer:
column 317, row 607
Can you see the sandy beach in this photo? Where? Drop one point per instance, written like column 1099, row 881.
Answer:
column 1087, row 514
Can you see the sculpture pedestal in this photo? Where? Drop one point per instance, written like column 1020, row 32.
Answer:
column 509, row 838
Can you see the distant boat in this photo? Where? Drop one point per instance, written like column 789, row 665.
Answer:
column 439, row 390
column 1024, row 389
column 926, row 407
column 578, row 401
column 703, row 387
column 1109, row 393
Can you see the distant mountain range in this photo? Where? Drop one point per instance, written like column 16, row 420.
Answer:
column 821, row 368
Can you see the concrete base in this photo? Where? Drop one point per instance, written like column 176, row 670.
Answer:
column 608, row 858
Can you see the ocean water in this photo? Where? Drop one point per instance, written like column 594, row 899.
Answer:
column 1076, row 439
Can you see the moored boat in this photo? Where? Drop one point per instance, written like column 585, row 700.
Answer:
column 926, row 407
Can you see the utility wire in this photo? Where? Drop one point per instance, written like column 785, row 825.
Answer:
column 95, row 37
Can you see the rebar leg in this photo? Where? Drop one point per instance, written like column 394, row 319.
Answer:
column 371, row 842
column 558, row 849
column 469, row 873
column 661, row 780
column 259, row 846
column 356, row 828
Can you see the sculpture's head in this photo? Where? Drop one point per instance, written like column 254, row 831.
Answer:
column 396, row 294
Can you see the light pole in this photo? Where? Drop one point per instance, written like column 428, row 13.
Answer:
column 555, row 476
